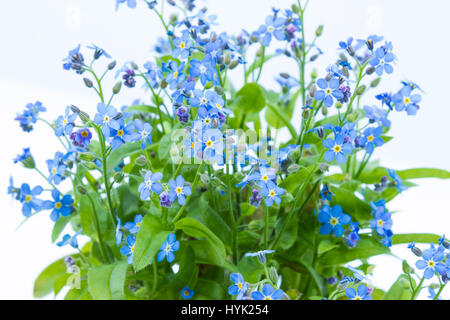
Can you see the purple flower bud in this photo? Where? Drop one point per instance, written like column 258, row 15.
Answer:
column 183, row 114
column 255, row 198
column 165, row 201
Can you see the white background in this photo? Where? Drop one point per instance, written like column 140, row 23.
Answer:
column 36, row 35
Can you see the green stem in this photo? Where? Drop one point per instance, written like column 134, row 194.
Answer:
column 358, row 81
column 155, row 277
column 263, row 55
column 266, row 227
column 439, row 292
column 417, row 290
column 165, row 27
column 97, row 229
column 100, row 90
column 157, row 102
column 232, row 218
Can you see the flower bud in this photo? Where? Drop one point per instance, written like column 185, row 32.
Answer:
column 163, row 84
column 116, row 88
column 417, row 251
column 86, row 156
column 370, row 70
column 375, row 82
column 305, row 113
column 293, row 168
column 89, row 165
column 360, row 90
column 295, row 8
column 319, row 31
column 338, row 105
column 112, row 65
column 208, row 85
column 233, row 64
column 118, row 177
column 273, row 274
column 118, row 116
column 324, row 110
column 314, row 57
column 81, row 189
column 227, row 59
column 88, row 83
column 140, row 161
column 405, row 267
column 219, row 90
column 312, row 90
column 352, row 117
column 314, row 73
column 204, row 178
column 29, row 162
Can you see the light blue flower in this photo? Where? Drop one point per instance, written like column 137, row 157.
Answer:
column 150, row 184
column 178, row 190
column 187, row 293
column 271, row 192
column 60, row 206
column 144, row 130
column 28, row 198
column 333, row 220
column 105, row 118
column 431, row 262
column 338, row 149
column 71, row 240
column 239, row 286
column 273, row 26
column 261, row 255
column 382, row 61
column 168, row 248
column 267, row 293
column 65, row 124
column 133, row 227
column 361, row 293
column 128, row 250
column 329, row 91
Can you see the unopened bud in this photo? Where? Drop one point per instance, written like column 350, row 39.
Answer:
column 273, row 274
column 118, row 116
column 204, row 178
column 86, row 156
column 295, row 8
column 375, row 82
column 29, row 162
column 314, row 57
column 116, row 88
column 352, row 117
column 88, row 83
column 219, row 90
column 118, row 177
column 338, row 105
column 405, row 267
column 89, row 165
column 256, row 225
column 163, row 84
column 370, row 70
column 312, row 90
column 360, row 90
column 324, row 110
column 227, row 59
column 233, row 64
column 140, row 161
column 319, row 30
column 112, row 65
column 209, row 85
column 81, row 189
column 314, row 73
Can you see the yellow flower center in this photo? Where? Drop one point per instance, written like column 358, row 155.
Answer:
column 54, row 170
column 58, row 205
column 192, row 145
column 178, row 190
column 84, row 133
column 431, row 264
column 218, row 106
column 272, row 193
column 186, row 293
column 267, row 298
column 239, row 285
column 120, row 133
column 337, row 148
column 175, row 74
column 209, row 144
column 265, row 178
column 333, row 221
column 182, row 45
column 106, row 118
column 358, row 298
column 328, row 91
column 380, row 223
column 28, row 198
column 65, row 121
column 207, row 121
column 132, row 249
column 407, row 100
column 138, row 224
column 370, row 138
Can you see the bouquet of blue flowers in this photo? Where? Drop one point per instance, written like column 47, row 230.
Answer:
column 190, row 193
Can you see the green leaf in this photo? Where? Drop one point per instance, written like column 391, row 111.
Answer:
column 423, row 173
column 400, row 290
column 250, row 98
column 208, row 289
column 366, row 248
column 325, row 246
column 149, row 239
column 79, row 294
column 59, row 227
column 44, row 283
column 257, row 63
column 416, row 237
column 106, row 282
column 351, row 204
column 147, row 109
column 195, row 229
column 126, row 150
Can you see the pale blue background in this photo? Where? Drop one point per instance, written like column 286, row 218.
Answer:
column 36, row 35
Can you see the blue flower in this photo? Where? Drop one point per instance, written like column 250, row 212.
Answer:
column 372, row 138
column 330, row 90
column 213, row 145
column 271, row 192
column 59, row 206
column 325, row 193
column 27, row 196
column 133, row 227
column 71, row 240
column 377, row 115
column 98, row 52
column 273, row 26
column 81, row 138
column 353, row 237
column 56, row 168
column 338, row 149
column 182, row 45
column 261, row 255
column 431, row 262
column 405, row 100
column 130, row 3
column 203, row 69
column 26, row 158
column 267, row 293
column 168, row 248
column 128, row 250
column 124, row 134
column 187, row 293
column 239, row 286
column 65, row 124
column 264, row 175
column 396, row 180
column 74, row 60
column 385, row 98
column 105, row 119
column 213, row 50
column 381, row 61
column 176, row 75
column 361, row 293
column 144, row 130
column 29, row 115
column 150, row 184
column 178, row 190
column 333, row 220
